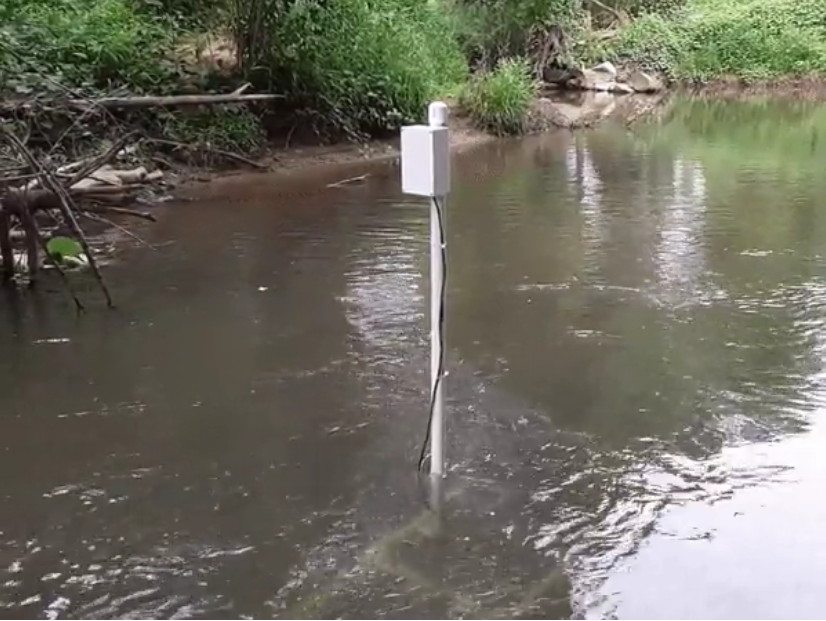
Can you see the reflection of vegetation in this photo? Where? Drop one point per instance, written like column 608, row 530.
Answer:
column 781, row 137
column 679, row 276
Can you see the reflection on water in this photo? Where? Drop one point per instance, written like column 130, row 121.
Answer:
column 636, row 327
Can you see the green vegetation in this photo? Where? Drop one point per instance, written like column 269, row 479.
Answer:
column 353, row 68
column 749, row 39
column 500, row 100
column 361, row 68
column 353, row 65
column 88, row 43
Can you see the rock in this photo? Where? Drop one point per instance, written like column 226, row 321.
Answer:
column 608, row 68
column 613, row 87
column 592, row 80
column 553, row 75
column 643, row 82
column 546, row 114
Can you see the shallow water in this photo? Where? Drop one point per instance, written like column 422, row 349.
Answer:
column 636, row 334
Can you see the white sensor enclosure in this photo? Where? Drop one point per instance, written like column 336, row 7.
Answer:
column 426, row 155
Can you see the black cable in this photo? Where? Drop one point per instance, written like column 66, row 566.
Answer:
column 441, row 367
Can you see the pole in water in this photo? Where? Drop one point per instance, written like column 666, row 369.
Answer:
column 437, row 117
column 425, row 159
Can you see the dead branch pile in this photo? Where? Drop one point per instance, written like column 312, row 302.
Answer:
column 43, row 190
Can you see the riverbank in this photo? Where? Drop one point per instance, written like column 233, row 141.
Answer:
column 463, row 135
column 804, row 88
column 564, row 111
column 171, row 92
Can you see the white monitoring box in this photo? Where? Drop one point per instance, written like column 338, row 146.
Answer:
column 425, row 160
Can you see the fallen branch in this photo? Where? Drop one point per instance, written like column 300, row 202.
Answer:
column 203, row 147
column 122, row 229
column 93, row 164
column 123, row 211
column 32, row 242
column 105, row 189
column 66, row 205
column 6, row 250
column 172, row 101
column 348, row 181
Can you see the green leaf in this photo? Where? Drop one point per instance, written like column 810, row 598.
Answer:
column 63, row 247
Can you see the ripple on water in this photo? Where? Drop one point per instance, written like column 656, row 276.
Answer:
column 636, row 391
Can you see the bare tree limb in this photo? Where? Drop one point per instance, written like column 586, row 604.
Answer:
column 98, row 209
column 171, row 101
column 122, row 229
column 66, row 205
column 6, row 251
column 92, row 165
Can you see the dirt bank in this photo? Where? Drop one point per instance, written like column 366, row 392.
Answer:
column 332, row 164
column 294, row 159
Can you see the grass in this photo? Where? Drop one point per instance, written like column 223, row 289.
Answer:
column 101, row 44
column 354, row 68
column 500, row 101
column 748, row 39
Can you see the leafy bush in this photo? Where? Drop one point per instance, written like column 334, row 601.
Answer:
column 500, row 101
column 80, row 42
column 743, row 38
column 188, row 13
column 230, row 128
column 364, row 66
column 641, row 7
column 490, row 30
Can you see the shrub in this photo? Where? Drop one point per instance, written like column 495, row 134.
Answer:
column 196, row 14
column 84, row 42
column 229, row 128
column 364, row 66
column 490, row 30
column 500, row 101
column 744, row 38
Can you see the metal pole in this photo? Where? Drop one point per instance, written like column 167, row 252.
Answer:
column 437, row 114
column 437, row 275
column 426, row 172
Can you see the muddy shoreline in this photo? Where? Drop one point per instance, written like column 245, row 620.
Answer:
column 562, row 111
column 583, row 108
column 463, row 136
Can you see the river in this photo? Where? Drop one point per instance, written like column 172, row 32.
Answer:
column 636, row 327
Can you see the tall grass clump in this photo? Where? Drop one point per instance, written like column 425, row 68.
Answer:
column 500, row 101
column 750, row 39
column 358, row 66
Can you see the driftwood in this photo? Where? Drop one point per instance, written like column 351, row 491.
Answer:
column 146, row 101
column 32, row 190
column 172, row 101
column 67, row 210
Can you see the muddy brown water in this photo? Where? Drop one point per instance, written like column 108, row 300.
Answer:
column 636, row 336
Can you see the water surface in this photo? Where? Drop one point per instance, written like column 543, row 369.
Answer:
column 636, row 333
